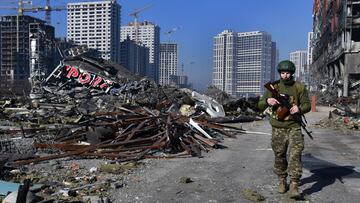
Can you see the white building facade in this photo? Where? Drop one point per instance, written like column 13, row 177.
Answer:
column 147, row 34
column 299, row 58
column 97, row 25
column 168, row 62
column 224, row 61
column 242, row 62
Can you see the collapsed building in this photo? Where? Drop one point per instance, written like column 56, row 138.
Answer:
column 336, row 45
column 84, row 93
column 25, row 45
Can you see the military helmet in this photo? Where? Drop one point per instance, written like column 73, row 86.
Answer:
column 286, row 66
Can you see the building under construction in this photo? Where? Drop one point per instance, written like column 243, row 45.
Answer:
column 336, row 44
column 16, row 56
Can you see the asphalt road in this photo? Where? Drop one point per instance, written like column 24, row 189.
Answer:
column 331, row 170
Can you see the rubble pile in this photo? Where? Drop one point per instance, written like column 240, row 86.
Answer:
column 70, row 181
column 246, row 106
column 92, row 109
column 346, row 116
column 328, row 91
column 237, row 110
column 339, row 118
column 102, row 126
column 220, row 96
column 231, row 105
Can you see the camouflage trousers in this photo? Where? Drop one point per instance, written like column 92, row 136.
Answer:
column 282, row 140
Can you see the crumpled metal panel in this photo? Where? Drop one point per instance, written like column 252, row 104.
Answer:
column 213, row 108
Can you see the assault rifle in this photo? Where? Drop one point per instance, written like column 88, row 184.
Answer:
column 284, row 109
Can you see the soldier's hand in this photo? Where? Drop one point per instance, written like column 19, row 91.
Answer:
column 294, row 109
column 272, row 101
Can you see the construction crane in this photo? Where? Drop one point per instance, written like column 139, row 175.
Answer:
column 20, row 4
column 170, row 32
column 48, row 10
column 21, row 8
column 135, row 14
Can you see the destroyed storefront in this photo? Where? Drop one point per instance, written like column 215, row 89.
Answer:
column 26, row 42
column 336, row 46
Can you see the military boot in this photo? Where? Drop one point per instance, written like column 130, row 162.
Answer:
column 282, row 185
column 294, row 190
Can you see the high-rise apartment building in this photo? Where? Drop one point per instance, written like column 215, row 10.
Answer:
column 299, row 58
column 168, row 62
column 243, row 62
column 274, row 61
column 26, row 44
column 147, row 34
column 224, row 61
column 96, row 25
column 134, row 57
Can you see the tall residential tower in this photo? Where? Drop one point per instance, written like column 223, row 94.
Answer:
column 299, row 58
column 243, row 62
column 97, row 25
column 147, row 34
column 134, row 57
column 168, row 62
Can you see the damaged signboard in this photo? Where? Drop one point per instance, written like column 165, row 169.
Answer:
column 88, row 79
column 85, row 77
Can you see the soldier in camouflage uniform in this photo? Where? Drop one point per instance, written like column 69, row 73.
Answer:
column 286, row 134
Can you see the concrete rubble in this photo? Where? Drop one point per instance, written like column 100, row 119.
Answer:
column 346, row 110
column 343, row 119
column 91, row 109
column 328, row 93
column 90, row 123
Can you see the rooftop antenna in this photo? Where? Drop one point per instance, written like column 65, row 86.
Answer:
column 22, row 8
